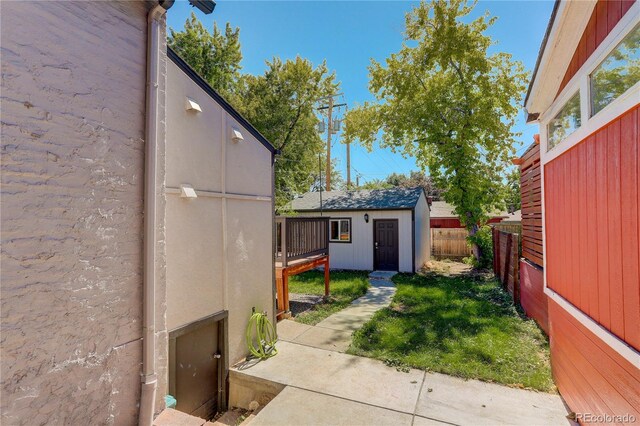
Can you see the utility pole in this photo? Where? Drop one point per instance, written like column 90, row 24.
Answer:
column 348, row 166
column 329, row 131
column 357, row 181
column 330, row 127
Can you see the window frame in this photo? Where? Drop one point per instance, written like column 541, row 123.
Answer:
column 571, row 98
column 339, row 220
column 581, row 83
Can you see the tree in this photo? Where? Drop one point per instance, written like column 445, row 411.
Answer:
column 319, row 181
column 512, row 198
column 449, row 103
column 280, row 104
column 376, row 184
column 215, row 56
column 415, row 179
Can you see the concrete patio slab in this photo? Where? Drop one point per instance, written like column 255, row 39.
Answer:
column 385, row 275
column 325, row 338
column 346, row 322
column 474, row 402
column 295, row 406
column 423, row 421
column 359, row 379
column 288, row 330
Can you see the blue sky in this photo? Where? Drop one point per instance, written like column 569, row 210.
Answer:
column 347, row 34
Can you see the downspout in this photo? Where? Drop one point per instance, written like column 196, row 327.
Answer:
column 149, row 377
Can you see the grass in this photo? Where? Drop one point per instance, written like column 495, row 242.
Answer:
column 346, row 286
column 464, row 325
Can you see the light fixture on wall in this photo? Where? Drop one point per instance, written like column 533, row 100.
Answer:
column 191, row 105
column 236, row 135
column 187, row 191
column 366, row 217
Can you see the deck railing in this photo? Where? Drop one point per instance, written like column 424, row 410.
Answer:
column 300, row 237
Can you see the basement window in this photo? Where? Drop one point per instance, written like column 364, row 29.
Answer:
column 565, row 122
column 340, row 230
column 619, row 71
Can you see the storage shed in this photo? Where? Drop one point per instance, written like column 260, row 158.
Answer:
column 383, row 229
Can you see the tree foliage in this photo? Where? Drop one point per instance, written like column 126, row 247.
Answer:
column 415, row 179
column 448, row 102
column 279, row 103
column 214, row 55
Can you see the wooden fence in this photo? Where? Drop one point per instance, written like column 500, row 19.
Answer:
column 449, row 243
column 531, row 195
column 506, row 261
column 514, row 228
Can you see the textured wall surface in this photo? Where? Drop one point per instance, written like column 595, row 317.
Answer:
column 73, row 108
column 219, row 246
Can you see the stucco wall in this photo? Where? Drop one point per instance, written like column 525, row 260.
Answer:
column 358, row 254
column 219, row 245
column 423, row 232
column 73, row 111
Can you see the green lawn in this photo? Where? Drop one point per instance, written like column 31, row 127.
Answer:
column 462, row 325
column 346, row 286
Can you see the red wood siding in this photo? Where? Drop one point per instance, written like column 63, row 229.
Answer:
column 592, row 226
column 436, row 222
column 605, row 16
column 532, row 297
column 592, row 377
column 445, row 223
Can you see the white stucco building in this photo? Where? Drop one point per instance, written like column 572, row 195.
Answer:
column 384, row 229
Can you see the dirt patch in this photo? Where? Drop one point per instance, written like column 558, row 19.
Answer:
column 299, row 303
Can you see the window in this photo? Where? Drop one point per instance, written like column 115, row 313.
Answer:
column 619, row 71
column 565, row 122
column 340, row 230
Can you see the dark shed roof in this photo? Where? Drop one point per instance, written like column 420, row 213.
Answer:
column 186, row 68
column 376, row 199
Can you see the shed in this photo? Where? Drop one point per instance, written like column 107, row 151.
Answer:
column 385, row 229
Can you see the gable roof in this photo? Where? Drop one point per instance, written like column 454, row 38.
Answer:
column 375, row 199
column 442, row 209
column 186, row 68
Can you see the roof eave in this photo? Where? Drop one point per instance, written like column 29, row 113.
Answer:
column 566, row 25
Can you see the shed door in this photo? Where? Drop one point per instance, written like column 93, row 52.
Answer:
column 385, row 245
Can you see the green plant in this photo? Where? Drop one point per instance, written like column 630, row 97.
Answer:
column 484, row 240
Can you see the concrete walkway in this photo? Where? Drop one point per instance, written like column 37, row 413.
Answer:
column 334, row 332
column 311, row 382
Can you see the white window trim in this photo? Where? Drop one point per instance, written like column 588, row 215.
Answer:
column 340, row 219
column 626, row 101
column 580, row 83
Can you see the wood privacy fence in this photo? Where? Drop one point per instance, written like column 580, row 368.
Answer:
column 449, row 243
column 506, row 261
column 514, row 228
column 531, row 194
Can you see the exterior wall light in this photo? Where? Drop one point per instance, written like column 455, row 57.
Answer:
column 366, row 217
column 236, row 135
column 191, row 105
column 187, row 191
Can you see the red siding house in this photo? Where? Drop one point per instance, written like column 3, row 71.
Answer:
column 442, row 216
column 585, row 96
